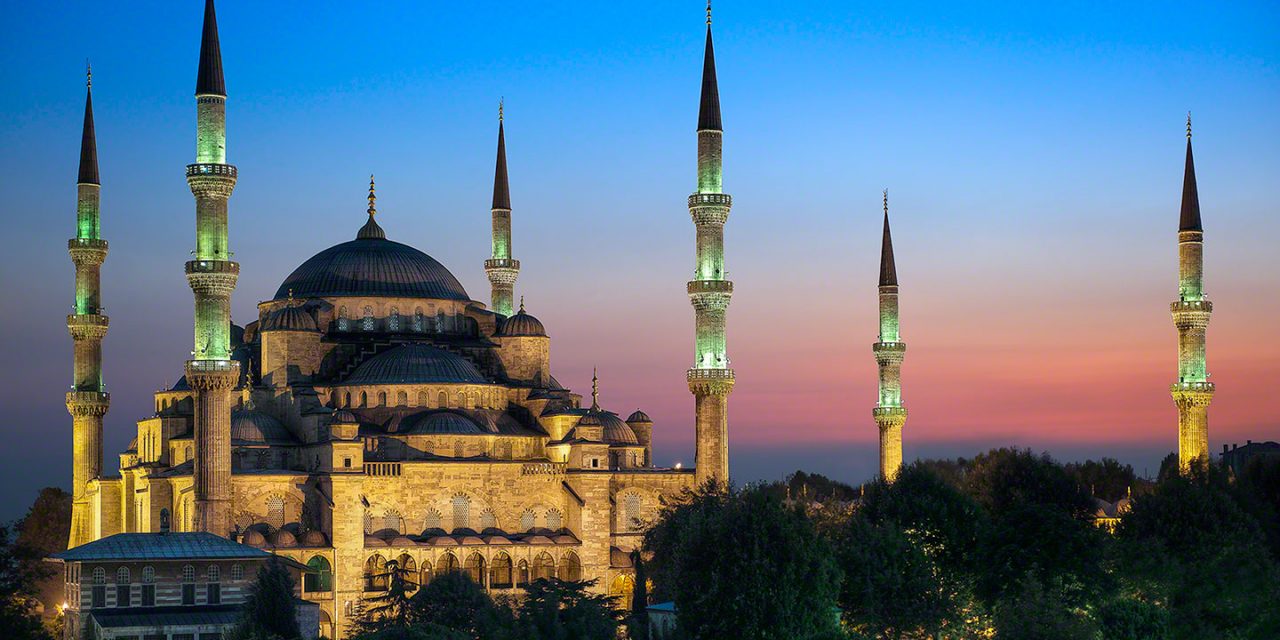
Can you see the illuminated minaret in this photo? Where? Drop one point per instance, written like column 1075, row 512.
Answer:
column 502, row 268
column 212, row 275
column 87, row 401
column 1193, row 391
column 889, row 413
column 710, row 379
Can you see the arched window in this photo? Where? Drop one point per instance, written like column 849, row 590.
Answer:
column 407, row 564
column 382, row 398
column 237, row 572
column 214, row 573
column 631, row 509
column 442, row 401
column 425, row 575
column 275, row 512
column 423, row 398
column 148, row 586
column 419, row 323
column 458, row 449
column 368, row 522
column 432, row 521
column 391, row 520
column 448, row 562
column 343, row 323
column 375, row 573
column 122, row 587
column 188, row 573
column 526, row 520
column 621, row 590
column 347, row 401
column 186, row 455
column 475, row 568
column 554, row 520
column 263, row 459
column 393, row 320
column 319, row 575
column 366, row 323
column 488, row 520
column 500, row 572
column 364, row 399
column 440, row 320
column 571, row 567
column 148, row 574
column 402, row 399
column 461, row 512
column 188, row 585
column 122, row 575
column 544, row 567
column 522, row 574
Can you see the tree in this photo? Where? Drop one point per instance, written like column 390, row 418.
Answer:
column 934, row 514
column 44, row 531
column 743, row 564
column 454, row 601
column 638, row 622
column 1106, row 479
column 891, row 588
column 1033, row 611
column 393, row 607
column 18, row 617
column 269, row 612
column 414, row 632
column 1002, row 479
column 555, row 609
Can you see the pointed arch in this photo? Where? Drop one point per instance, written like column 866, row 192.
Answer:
column 570, row 567
column 544, row 567
column 500, row 571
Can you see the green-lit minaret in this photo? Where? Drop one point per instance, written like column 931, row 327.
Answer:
column 889, row 413
column 1193, row 392
column 87, row 401
column 212, row 275
column 710, row 379
column 502, row 269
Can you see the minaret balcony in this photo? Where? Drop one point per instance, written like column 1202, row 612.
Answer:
column 1192, row 386
column 698, row 287
column 211, row 169
column 709, row 374
column 87, row 250
column 212, row 367
column 889, row 346
column 87, row 326
column 88, row 402
column 710, row 199
column 1192, row 306
column 888, row 412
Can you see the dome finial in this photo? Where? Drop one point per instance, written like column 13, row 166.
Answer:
column 595, row 390
column 373, row 198
column 88, row 74
column 290, row 295
column 886, row 203
column 708, row 13
column 1188, row 125
column 521, row 304
column 371, row 230
column 500, row 101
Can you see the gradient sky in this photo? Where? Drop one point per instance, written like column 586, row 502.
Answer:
column 1033, row 153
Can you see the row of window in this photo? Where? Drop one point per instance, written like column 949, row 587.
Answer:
column 461, row 506
column 501, row 573
column 147, row 589
column 463, row 400
column 418, row 322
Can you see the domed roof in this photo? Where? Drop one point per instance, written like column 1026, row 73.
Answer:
column 282, row 538
column 372, row 266
column 343, row 416
column 289, row 319
column 521, row 324
column 615, row 430
column 638, row 416
column 253, row 538
column 416, row 363
column 442, row 422
column 254, row 427
column 314, row 538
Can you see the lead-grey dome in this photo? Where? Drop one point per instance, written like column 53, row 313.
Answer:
column 413, row 364
column 372, row 266
column 522, row 324
column 615, row 431
column 255, row 427
column 289, row 319
column 442, row 422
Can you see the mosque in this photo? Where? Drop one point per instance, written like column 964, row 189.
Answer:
column 374, row 411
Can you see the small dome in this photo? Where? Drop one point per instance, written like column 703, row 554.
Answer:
column 290, row 319
column 442, row 422
column 283, row 539
column 413, row 364
column 638, row 416
column 615, row 430
column 253, row 538
column 343, row 416
column 401, row 541
column 520, row 325
column 314, row 538
column 255, row 427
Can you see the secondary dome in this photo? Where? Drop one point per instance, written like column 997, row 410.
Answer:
column 255, row 427
column 443, row 422
column 521, row 324
column 413, row 364
column 372, row 266
column 289, row 319
column 615, row 431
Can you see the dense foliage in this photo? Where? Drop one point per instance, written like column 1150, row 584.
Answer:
column 269, row 613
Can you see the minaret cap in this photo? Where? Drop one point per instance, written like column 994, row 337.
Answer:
column 709, row 109
column 209, row 81
column 888, row 271
column 501, row 191
column 88, row 138
column 1189, row 220
column 371, row 230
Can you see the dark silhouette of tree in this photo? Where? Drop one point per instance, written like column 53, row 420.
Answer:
column 742, row 564
column 554, row 609
column 1032, row 611
column 269, row 612
column 638, row 622
column 934, row 514
column 454, row 601
column 18, row 603
column 420, row 631
column 1106, row 479
column 393, row 607
column 44, row 531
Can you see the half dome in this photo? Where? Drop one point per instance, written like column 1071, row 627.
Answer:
column 442, row 422
column 413, row 364
column 255, row 427
column 372, row 266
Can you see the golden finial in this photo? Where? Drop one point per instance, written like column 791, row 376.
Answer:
column 595, row 389
column 500, row 101
column 290, row 295
column 886, row 202
column 521, row 304
column 88, row 74
column 1188, row 125
column 373, row 198
column 708, row 13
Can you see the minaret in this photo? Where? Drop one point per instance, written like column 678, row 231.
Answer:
column 212, row 275
column 1193, row 391
column 889, row 413
column 87, row 401
column 710, row 379
column 502, row 268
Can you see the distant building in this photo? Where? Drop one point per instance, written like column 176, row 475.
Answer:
column 1237, row 457
column 662, row 620
column 163, row 586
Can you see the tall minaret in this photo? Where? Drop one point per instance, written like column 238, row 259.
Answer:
column 502, row 268
column 87, row 401
column 212, row 275
column 1193, row 391
column 710, row 379
column 889, row 413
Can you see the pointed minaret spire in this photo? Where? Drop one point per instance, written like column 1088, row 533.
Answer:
column 595, row 390
column 501, row 268
column 88, row 138
column 371, row 230
column 1190, row 218
column 709, row 110
column 209, row 80
column 888, row 271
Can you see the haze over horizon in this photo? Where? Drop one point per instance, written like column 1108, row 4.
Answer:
column 1033, row 156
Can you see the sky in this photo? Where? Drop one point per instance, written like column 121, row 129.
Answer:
column 1033, row 154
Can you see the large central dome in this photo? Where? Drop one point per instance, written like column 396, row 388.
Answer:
column 372, row 266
